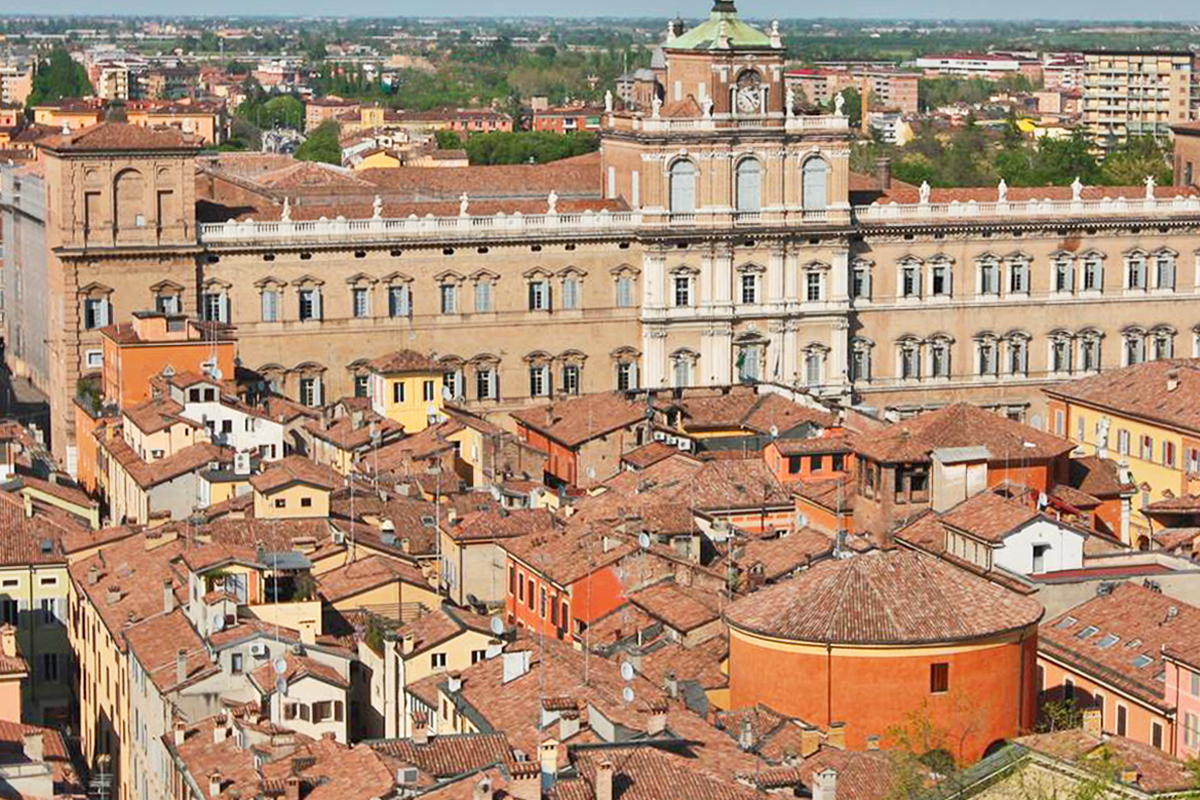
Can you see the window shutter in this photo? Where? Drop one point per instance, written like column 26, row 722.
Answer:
column 633, row 375
column 223, row 307
column 103, row 313
column 317, row 313
column 319, row 390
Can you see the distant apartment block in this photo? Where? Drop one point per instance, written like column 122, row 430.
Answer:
column 979, row 65
column 1131, row 93
column 889, row 90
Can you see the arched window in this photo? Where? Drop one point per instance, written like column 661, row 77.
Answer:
column 749, row 185
column 814, row 184
column 683, row 187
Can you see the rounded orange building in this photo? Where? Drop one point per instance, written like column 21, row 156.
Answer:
column 876, row 641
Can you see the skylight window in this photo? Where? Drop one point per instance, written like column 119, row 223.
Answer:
column 1090, row 630
column 1132, row 643
column 1066, row 622
column 1142, row 661
column 1108, row 641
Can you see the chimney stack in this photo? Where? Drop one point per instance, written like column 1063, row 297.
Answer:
column 883, row 174
column 1093, row 719
column 810, row 741
column 214, row 783
column 746, row 736
column 168, row 596
column 1172, row 380
column 114, row 594
column 180, row 733
column 34, row 746
column 292, row 790
column 181, row 665
column 837, row 735
column 671, row 685
column 658, row 717
column 604, row 781
column 482, row 790
column 93, row 575
column 825, row 785
column 8, row 640
column 420, row 731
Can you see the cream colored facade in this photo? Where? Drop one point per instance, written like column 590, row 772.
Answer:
column 35, row 599
column 465, row 648
column 294, row 501
column 743, row 255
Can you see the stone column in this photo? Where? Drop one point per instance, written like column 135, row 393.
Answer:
column 654, row 280
column 654, row 356
column 839, row 279
column 775, row 276
column 722, row 276
column 720, row 371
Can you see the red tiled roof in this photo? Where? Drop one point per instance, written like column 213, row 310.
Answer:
column 681, row 607
column 1142, row 391
column 404, row 361
column 960, row 425
column 743, row 407
column 157, row 642
column 1157, row 772
column 1136, row 616
column 648, row 454
column 120, row 136
column 648, row 773
column 448, row 755
column 1017, row 194
column 295, row 469
column 499, row 523
column 367, row 573
column 298, row 668
column 581, row 419
column 1098, row 477
column 892, row 597
column 989, row 516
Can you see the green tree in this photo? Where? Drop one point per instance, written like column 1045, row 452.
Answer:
column 58, row 77
column 526, row 147
column 1129, row 164
column 322, row 145
column 448, row 140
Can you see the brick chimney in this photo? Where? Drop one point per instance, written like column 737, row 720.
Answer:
column 181, row 665
column 1093, row 719
column 168, row 596
column 810, row 741
column 883, row 174
column 837, row 735
column 8, row 640
column 214, row 783
column 292, row 790
column 658, row 717
column 114, row 594
column 180, row 733
column 420, row 733
column 525, row 780
column 604, row 781
column 482, row 790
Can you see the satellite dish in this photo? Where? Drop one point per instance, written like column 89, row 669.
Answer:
column 216, row 373
column 280, row 665
column 447, row 394
column 644, row 541
column 591, row 473
column 627, row 693
column 218, row 624
column 497, row 626
column 281, row 687
column 627, row 672
column 774, row 431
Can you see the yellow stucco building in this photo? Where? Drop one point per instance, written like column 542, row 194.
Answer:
column 1143, row 415
column 407, row 387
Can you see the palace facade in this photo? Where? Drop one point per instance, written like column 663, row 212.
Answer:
column 718, row 236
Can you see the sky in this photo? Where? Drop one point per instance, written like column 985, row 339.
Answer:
column 1159, row 10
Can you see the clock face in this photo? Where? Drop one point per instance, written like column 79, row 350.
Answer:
column 747, row 99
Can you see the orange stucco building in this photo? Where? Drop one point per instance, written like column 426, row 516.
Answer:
column 865, row 642
column 136, row 351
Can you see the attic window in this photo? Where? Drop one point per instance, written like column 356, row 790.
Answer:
column 481, row 250
column 360, row 253
column 537, row 248
column 1132, row 643
column 449, row 251
column 1090, row 630
column 623, row 245
column 395, row 253
column 1108, row 641
column 269, row 257
column 1142, row 661
column 1066, row 622
column 213, row 259
column 306, row 256
column 570, row 247
column 428, row 521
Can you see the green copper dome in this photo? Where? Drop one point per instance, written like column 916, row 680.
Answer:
column 722, row 20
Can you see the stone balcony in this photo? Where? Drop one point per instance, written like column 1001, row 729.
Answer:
column 1028, row 209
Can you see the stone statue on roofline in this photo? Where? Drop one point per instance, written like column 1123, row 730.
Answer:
column 656, row 107
column 924, row 193
column 1076, row 189
column 377, row 208
column 608, row 101
column 839, row 104
column 552, row 203
column 1150, row 184
column 464, row 205
column 1002, row 192
column 286, row 215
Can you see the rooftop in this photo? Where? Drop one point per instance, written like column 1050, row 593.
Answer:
column 883, row 597
column 1156, row 391
column 577, row 420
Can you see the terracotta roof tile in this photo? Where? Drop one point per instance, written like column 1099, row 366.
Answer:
column 783, row 554
column 648, row 454
column 367, row 573
column 1157, row 771
column 295, row 469
column 989, row 516
column 683, row 608
column 156, row 643
column 580, row 419
column 404, row 361
column 298, row 668
column 121, row 136
column 742, row 407
column 1144, row 625
column 449, row 755
column 883, row 598
column 1142, row 391
column 500, row 523
column 648, row 773
column 960, row 425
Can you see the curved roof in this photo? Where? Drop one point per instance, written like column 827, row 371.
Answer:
column 707, row 35
column 884, row 597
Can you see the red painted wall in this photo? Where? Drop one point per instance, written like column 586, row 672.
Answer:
column 992, row 696
column 561, row 463
column 589, row 598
